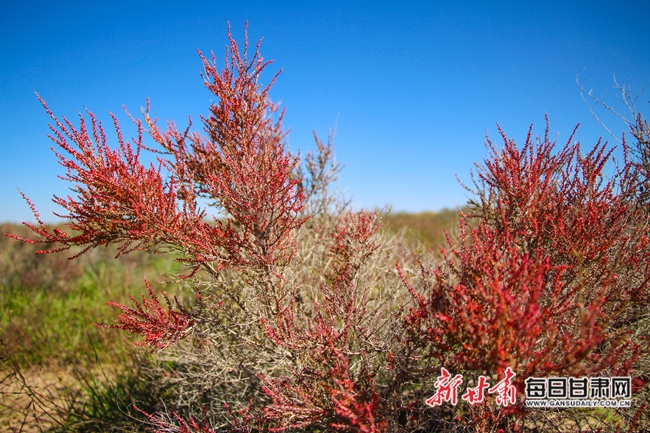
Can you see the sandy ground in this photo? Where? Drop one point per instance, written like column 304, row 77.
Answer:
column 32, row 400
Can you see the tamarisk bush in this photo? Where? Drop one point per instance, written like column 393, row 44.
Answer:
column 291, row 320
column 306, row 317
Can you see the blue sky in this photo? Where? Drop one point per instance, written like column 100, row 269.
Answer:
column 414, row 85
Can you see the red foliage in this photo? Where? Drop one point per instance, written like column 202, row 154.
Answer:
column 361, row 411
column 324, row 397
column 159, row 327
column 242, row 166
column 503, row 309
column 563, row 206
column 118, row 200
column 559, row 204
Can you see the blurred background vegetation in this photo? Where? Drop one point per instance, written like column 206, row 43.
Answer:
column 48, row 302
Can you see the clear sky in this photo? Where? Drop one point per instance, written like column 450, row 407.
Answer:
column 414, row 84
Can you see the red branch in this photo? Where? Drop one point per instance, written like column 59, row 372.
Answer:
column 160, row 327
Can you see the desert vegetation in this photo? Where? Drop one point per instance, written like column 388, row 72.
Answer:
column 287, row 310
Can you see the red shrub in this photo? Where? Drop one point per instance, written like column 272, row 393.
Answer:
column 543, row 281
